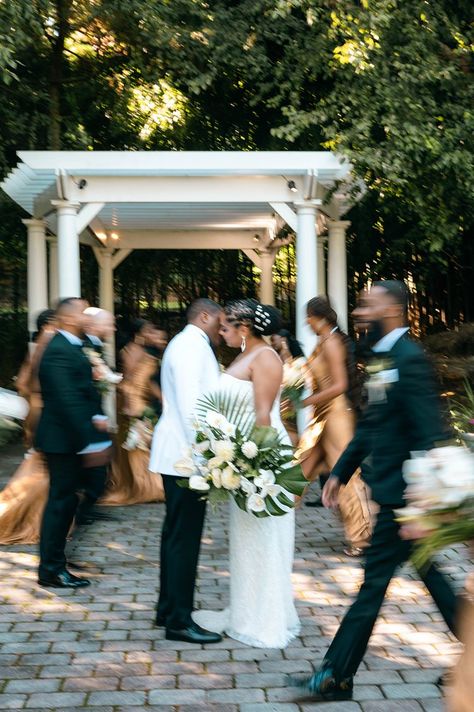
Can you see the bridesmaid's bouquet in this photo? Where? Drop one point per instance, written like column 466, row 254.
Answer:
column 440, row 500
column 294, row 381
column 231, row 457
column 102, row 374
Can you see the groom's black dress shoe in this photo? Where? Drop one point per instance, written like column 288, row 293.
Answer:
column 193, row 633
column 324, row 687
column 64, row 580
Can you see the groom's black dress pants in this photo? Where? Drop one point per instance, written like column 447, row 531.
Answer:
column 180, row 545
column 384, row 555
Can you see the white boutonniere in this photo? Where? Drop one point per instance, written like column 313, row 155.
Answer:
column 381, row 376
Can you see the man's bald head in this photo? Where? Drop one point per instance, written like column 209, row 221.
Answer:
column 99, row 322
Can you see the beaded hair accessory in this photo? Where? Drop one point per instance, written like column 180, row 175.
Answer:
column 262, row 318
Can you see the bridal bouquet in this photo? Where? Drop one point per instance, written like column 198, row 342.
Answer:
column 294, row 381
column 440, row 500
column 231, row 457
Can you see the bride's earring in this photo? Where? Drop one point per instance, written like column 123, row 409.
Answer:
column 243, row 344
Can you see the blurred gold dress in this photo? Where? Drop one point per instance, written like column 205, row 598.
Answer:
column 23, row 499
column 323, row 442
column 130, row 480
column 460, row 695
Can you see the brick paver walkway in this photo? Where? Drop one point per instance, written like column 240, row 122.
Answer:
column 97, row 649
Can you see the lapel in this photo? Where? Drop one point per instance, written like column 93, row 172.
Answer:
column 75, row 350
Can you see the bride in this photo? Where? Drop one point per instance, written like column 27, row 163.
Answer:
column 261, row 612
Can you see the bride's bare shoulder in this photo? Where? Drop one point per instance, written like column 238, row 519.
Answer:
column 267, row 358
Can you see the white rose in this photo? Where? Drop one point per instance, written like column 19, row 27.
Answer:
column 224, row 449
column 196, row 482
column 216, row 420
column 215, row 462
column 265, row 478
column 255, row 503
column 249, row 449
column 216, row 476
column 230, row 480
column 228, row 429
column 247, row 486
column 185, row 466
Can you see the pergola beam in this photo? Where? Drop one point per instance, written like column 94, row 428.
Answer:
column 181, row 189
column 190, row 239
column 86, row 214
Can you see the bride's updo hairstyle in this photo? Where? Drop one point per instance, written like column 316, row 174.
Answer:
column 261, row 319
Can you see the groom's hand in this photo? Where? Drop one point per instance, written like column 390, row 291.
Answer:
column 330, row 493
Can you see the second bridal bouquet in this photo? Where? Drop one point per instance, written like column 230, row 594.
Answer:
column 231, row 457
column 440, row 500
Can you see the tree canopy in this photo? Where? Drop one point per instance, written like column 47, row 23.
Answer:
column 387, row 83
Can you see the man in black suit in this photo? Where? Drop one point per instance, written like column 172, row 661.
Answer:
column 72, row 433
column 403, row 415
column 98, row 327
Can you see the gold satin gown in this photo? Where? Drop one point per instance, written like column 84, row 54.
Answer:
column 460, row 695
column 130, row 480
column 323, row 442
column 23, row 499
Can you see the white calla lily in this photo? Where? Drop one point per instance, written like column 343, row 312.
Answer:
column 185, row 466
column 255, row 503
column 199, row 483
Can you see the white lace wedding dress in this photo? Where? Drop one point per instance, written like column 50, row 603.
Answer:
column 262, row 611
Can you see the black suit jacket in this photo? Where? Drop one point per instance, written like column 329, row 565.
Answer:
column 406, row 418
column 69, row 399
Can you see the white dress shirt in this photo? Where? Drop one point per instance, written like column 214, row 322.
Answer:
column 388, row 341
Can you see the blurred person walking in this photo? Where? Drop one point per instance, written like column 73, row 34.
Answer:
column 403, row 415
column 332, row 369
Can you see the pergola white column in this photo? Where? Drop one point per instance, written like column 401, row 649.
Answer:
column 37, row 280
column 106, row 281
column 69, row 267
column 267, row 260
column 337, row 270
column 306, row 269
column 53, row 273
column 321, row 266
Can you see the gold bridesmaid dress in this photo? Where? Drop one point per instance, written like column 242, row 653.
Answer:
column 460, row 693
column 130, row 480
column 323, row 442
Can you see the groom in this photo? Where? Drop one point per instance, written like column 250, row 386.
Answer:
column 189, row 370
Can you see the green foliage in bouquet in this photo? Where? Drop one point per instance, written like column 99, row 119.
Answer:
column 445, row 528
column 237, row 410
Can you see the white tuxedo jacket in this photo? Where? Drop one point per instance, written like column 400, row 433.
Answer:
column 188, row 371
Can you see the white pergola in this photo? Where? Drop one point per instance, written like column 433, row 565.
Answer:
column 119, row 201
